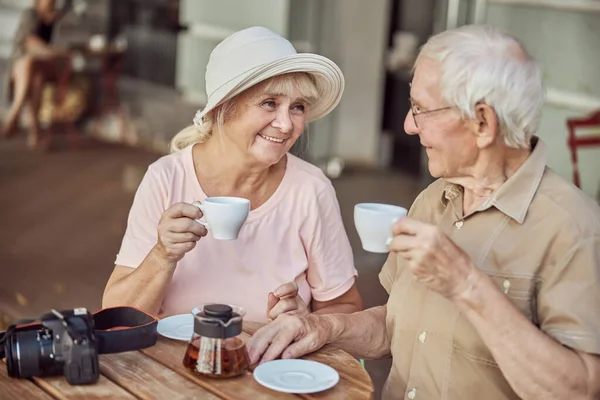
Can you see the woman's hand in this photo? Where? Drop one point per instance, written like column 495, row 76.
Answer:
column 178, row 232
column 285, row 300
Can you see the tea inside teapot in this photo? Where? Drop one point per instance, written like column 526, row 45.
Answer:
column 216, row 348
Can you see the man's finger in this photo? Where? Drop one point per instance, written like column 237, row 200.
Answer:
column 403, row 243
column 288, row 289
column 408, row 226
column 299, row 348
column 280, row 342
column 259, row 342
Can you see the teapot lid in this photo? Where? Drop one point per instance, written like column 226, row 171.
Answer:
column 218, row 321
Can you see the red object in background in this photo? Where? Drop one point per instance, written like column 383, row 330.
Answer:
column 575, row 142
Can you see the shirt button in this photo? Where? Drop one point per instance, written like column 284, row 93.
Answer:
column 506, row 285
column 422, row 337
column 412, row 394
column 459, row 224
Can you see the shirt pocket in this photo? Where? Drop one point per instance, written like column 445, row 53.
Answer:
column 520, row 290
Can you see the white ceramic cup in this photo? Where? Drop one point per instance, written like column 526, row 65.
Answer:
column 373, row 222
column 224, row 216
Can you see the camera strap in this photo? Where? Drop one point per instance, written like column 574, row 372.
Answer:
column 117, row 329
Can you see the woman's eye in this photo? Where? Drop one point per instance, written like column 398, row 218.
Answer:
column 299, row 108
column 268, row 103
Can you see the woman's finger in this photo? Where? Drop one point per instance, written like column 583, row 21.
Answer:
column 289, row 289
column 179, row 210
column 283, row 306
column 174, row 238
column 272, row 300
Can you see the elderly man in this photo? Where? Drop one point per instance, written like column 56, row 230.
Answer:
column 494, row 277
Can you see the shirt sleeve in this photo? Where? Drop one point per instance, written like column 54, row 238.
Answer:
column 147, row 208
column 331, row 271
column 569, row 297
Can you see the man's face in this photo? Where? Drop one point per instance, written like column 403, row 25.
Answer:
column 449, row 141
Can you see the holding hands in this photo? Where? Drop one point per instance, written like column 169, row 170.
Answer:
column 285, row 299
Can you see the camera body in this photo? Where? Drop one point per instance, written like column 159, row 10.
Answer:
column 64, row 343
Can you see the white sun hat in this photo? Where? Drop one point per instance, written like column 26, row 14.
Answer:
column 255, row 54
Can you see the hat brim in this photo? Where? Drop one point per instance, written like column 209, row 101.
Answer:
column 330, row 83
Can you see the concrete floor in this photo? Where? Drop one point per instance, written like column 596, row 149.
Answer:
column 63, row 215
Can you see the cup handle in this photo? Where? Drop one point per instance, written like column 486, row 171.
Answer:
column 389, row 239
column 201, row 207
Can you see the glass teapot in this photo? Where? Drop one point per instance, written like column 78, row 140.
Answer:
column 216, row 349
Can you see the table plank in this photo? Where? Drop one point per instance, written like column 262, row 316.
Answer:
column 170, row 353
column 19, row 388
column 104, row 389
column 148, row 379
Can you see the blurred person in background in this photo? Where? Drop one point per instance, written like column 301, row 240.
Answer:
column 33, row 62
column 494, row 277
column 292, row 254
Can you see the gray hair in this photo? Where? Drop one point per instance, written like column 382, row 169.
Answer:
column 484, row 64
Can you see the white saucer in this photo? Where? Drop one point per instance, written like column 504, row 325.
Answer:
column 296, row 376
column 178, row 327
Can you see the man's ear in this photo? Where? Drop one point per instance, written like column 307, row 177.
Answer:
column 487, row 125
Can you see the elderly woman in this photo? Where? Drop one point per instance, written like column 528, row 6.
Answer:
column 292, row 254
column 33, row 62
column 494, row 279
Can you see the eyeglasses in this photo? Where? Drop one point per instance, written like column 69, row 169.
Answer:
column 415, row 110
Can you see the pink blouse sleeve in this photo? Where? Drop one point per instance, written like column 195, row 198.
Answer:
column 331, row 271
column 146, row 210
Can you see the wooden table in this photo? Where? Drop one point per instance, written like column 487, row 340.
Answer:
column 158, row 373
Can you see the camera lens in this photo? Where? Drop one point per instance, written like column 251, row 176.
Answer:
column 23, row 355
column 30, row 354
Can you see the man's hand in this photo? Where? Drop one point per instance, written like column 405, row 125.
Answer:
column 290, row 336
column 285, row 299
column 433, row 258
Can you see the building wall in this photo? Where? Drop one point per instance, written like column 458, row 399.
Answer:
column 567, row 45
column 360, row 40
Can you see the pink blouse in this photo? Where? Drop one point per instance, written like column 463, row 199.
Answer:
column 295, row 235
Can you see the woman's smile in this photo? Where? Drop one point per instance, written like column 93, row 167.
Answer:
column 272, row 139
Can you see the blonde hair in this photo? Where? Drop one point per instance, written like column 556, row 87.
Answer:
column 202, row 130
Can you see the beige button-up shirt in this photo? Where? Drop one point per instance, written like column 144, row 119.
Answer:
column 538, row 238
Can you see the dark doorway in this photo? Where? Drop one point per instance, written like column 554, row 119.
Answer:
column 405, row 152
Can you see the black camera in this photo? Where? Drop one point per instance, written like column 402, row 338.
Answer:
column 68, row 342
column 65, row 343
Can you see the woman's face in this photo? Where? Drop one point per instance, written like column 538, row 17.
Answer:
column 266, row 123
column 46, row 5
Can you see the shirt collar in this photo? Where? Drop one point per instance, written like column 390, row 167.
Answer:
column 514, row 197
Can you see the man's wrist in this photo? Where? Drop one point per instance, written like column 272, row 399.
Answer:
column 333, row 327
column 471, row 298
